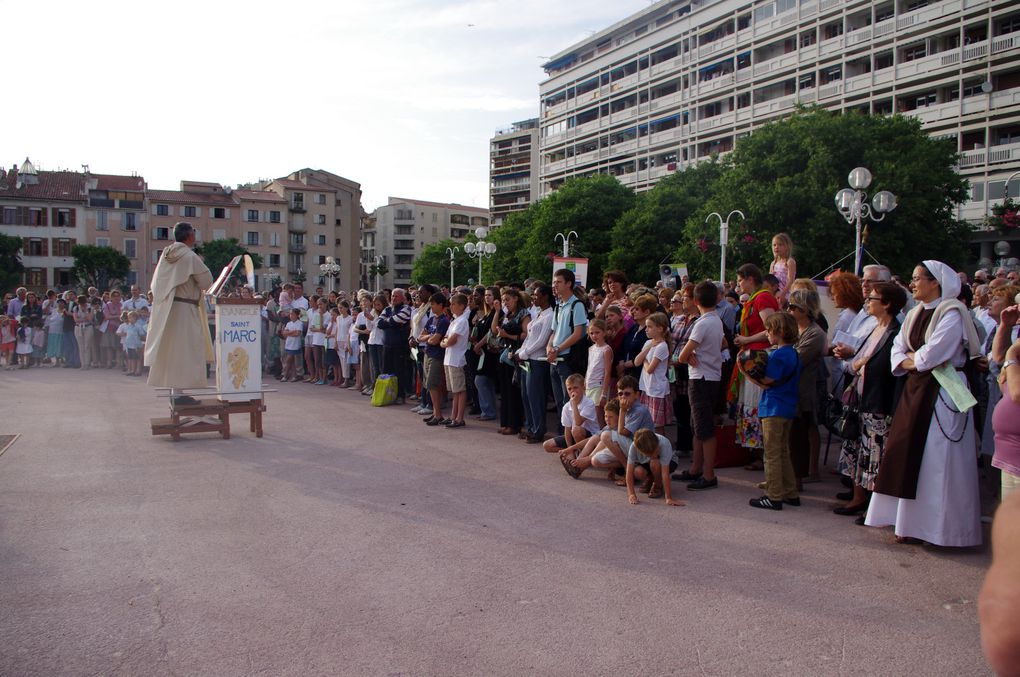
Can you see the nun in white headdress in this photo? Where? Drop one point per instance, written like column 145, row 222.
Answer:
column 927, row 485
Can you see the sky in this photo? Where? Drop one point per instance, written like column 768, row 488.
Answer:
column 401, row 96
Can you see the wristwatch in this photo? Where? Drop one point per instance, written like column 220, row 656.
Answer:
column 556, row 348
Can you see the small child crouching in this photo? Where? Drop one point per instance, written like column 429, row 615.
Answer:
column 650, row 459
column 596, row 453
column 578, row 418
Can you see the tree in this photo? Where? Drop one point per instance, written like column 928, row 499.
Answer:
column 11, row 267
column 651, row 231
column 432, row 266
column 218, row 253
column 588, row 205
column 785, row 175
column 99, row 267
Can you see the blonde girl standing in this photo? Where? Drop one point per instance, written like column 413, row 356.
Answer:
column 783, row 265
column 600, row 367
column 654, row 362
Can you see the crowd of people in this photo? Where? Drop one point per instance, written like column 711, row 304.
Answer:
column 919, row 379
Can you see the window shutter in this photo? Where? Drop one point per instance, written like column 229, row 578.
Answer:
column 74, row 217
column 56, row 218
column 154, row 234
column 74, row 241
column 45, row 245
column 43, row 217
column 198, row 211
column 56, row 245
column 227, row 212
column 155, row 209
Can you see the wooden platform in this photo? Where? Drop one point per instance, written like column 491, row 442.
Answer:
column 209, row 415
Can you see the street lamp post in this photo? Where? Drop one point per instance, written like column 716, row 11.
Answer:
column 330, row 269
column 724, row 238
column 481, row 249
column 852, row 204
column 566, row 241
column 451, row 251
column 378, row 262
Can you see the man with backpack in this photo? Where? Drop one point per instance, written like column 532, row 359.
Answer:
column 567, row 350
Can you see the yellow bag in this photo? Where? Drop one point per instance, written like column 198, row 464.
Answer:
column 385, row 391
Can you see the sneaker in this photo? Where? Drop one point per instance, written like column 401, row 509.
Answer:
column 701, row 483
column 425, row 411
column 795, row 502
column 766, row 503
column 415, row 410
column 686, row 476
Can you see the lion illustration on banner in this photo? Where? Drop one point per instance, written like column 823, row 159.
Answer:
column 237, row 363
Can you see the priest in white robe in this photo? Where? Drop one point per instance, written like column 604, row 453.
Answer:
column 178, row 345
column 927, row 486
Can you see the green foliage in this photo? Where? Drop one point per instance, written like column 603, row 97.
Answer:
column 99, row 267
column 588, row 205
column 218, row 253
column 10, row 262
column 651, row 231
column 432, row 266
column 784, row 178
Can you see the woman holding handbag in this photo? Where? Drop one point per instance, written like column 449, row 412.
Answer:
column 509, row 325
column 874, row 388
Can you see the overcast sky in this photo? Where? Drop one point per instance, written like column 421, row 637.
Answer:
column 401, row 96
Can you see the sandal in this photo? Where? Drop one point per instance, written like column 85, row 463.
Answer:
column 571, row 470
column 655, row 492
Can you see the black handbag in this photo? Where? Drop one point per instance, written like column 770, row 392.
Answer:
column 841, row 415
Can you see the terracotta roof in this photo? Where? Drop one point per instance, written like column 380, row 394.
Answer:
column 260, row 196
column 190, row 198
column 118, row 182
column 61, row 186
column 297, row 185
column 447, row 205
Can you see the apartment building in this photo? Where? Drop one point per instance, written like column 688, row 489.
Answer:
column 684, row 79
column 53, row 211
column 264, row 232
column 399, row 230
column 212, row 209
column 513, row 169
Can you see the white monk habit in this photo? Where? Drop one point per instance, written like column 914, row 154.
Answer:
column 178, row 345
column 947, row 507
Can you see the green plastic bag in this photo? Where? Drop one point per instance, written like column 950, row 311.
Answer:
column 385, row 391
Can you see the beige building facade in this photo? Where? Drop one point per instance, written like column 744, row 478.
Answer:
column 513, row 169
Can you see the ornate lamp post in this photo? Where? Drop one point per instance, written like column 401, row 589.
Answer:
column 724, row 238
column 330, row 269
column 852, row 204
column 566, row 241
column 481, row 249
column 451, row 251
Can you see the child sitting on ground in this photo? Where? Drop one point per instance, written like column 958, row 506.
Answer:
column 633, row 416
column 595, row 451
column 650, row 458
column 578, row 418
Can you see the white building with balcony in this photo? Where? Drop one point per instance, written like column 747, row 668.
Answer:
column 513, row 169
column 673, row 84
column 398, row 231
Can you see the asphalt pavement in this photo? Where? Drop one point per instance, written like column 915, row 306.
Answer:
column 356, row 540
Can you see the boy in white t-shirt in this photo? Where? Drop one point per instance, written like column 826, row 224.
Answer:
column 292, row 333
column 578, row 418
column 703, row 355
column 454, row 359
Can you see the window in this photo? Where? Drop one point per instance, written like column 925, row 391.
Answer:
column 65, row 218
column 807, row 38
column 62, row 246
column 36, row 217
column 160, row 233
column 274, row 239
column 102, row 220
column 102, row 242
column 252, row 238
column 320, row 219
column 162, row 210
column 130, row 247
column 191, row 211
column 10, row 216
column 274, row 260
column 320, row 240
column 130, row 221
column 299, row 201
column 155, row 256
column 219, row 234
column 322, row 259
column 35, row 277
column 219, row 213
column 320, row 199
column 918, row 51
column 253, row 215
column 132, row 277
column 274, row 217
column 35, row 247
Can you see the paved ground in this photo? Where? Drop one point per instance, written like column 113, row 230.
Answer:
column 353, row 540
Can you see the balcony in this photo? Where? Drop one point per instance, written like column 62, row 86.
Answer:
column 298, row 207
column 101, row 202
column 295, row 248
column 297, row 227
column 131, row 204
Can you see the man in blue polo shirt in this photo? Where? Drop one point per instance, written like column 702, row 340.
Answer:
column 570, row 321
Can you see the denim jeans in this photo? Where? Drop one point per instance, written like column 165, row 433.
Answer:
column 486, row 395
column 559, row 387
column 536, row 385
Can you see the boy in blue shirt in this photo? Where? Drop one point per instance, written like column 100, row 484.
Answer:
column 777, row 409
